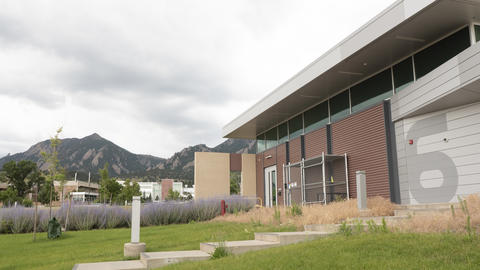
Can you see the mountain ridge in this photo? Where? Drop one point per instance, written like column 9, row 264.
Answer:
column 90, row 153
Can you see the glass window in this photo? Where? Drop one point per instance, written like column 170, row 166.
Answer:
column 339, row 106
column 316, row 117
column 271, row 138
column 295, row 126
column 260, row 143
column 440, row 52
column 371, row 91
column 403, row 74
column 477, row 32
column 282, row 133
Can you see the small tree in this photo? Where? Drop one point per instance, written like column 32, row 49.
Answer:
column 37, row 180
column 44, row 193
column 113, row 189
column 129, row 190
column 173, row 195
column 55, row 171
column 235, row 179
column 103, row 182
column 9, row 196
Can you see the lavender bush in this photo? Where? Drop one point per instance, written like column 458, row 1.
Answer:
column 88, row 217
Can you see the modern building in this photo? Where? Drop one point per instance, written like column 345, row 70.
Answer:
column 399, row 99
column 151, row 190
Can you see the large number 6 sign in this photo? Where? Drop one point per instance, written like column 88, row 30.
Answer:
column 432, row 161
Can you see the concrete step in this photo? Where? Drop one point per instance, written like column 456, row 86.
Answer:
column 325, row 228
column 238, row 247
column 118, row 265
column 285, row 238
column 426, row 206
column 159, row 259
column 378, row 220
column 426, row 211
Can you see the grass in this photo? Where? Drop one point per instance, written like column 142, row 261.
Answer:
column 363, row 251
column 298, row 215
column 17, row 251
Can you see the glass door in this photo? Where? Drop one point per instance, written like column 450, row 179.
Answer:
column 271, row 186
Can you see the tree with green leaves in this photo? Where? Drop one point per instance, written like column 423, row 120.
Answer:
column 55, row 172
column 16, row 173
column 129, row 190
column 44, row 193
column 235, row 180
column 173, row 195
column 109, row 187
column 9, row 196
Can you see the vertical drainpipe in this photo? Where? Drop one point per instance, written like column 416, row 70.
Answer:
column 329, row 151
column 287, row 174
column 393, row 178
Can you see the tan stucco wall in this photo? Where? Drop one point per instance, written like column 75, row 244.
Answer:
column 249, row 176
column 212, row 174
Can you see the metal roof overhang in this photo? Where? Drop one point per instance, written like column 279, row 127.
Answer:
column 400, row 30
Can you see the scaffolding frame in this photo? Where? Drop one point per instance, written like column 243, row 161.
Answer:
column 309, row 163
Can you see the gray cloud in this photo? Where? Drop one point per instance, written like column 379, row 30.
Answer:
column 179, row 65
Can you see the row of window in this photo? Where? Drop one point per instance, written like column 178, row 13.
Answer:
column 369, row 92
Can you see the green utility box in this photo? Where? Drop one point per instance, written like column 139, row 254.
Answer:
column 54, row 229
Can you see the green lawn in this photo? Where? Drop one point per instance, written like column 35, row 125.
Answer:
column 17, row 251
column 365, row 251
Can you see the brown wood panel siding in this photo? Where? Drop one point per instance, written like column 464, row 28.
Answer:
column 281, row 160
column 362, row 137
column 315, row 143
column 260, row 175
column 295, row 150
column 235, row 162
column 270, row 157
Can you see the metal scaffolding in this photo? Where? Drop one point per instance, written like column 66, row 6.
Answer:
column 320, row 179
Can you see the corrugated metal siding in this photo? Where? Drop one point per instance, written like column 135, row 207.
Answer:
column 444, row 160
column 315, row 143
column 235, row 162
column 362, row 137
column 281, row 160
column 295, row 150
column 260, row 175
column 270, row 157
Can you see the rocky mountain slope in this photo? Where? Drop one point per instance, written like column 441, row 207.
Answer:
column 90, row 153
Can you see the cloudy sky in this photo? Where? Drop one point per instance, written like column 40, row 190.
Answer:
column 154, row 76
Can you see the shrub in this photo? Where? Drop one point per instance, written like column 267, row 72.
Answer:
column 87, row 217
column 27, row 203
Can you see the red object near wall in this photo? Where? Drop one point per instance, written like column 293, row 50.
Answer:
column 224, row 207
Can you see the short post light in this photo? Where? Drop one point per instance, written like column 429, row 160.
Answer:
column 361, row 190
column 135, row 247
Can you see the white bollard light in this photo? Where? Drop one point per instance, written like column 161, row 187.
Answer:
column 135, row 220
column 361, row 190
column 135, row 247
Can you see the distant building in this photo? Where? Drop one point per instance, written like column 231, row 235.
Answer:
column 151, row 189
column 189, row 190
column 80, row 190
column 3, row 186
column 168, row 184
